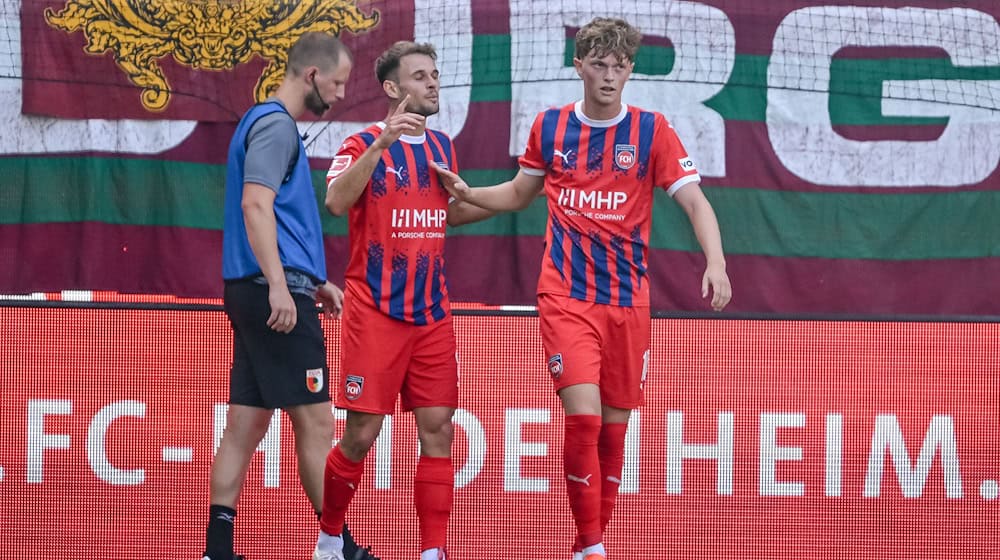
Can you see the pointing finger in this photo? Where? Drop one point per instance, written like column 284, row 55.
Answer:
column 401, row 108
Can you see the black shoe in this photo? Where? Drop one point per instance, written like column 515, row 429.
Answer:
column 353, row 551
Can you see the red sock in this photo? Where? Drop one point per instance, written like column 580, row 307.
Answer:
column 611, row 450
column 433, row 487
column 341, row 479
column 583, row 475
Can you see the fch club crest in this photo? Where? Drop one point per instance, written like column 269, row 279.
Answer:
column 353, row 387
column 624, row 156
column 556, row 366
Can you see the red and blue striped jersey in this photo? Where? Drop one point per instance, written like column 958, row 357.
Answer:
column 599, row 180
column 397, row 226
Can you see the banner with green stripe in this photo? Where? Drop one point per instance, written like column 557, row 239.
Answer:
column 849, row 148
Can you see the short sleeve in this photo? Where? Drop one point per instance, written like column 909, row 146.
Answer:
column 349, row 152
column 272, row 147
column 672, row 166
column 533, row 161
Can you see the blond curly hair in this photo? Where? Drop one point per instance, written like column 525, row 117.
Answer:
column 604, row 36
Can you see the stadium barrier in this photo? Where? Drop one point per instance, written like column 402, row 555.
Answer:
column 760, row 438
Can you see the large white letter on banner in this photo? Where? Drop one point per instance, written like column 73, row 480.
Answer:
column 705, row 52
column 798, row 80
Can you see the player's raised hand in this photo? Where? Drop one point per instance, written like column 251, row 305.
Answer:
column 715, row 277
column 452, row 183
column 398, row 123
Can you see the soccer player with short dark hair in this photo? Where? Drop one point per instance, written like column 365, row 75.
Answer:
column 397, row 334
column 598, row 161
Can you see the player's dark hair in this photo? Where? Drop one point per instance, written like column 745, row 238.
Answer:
column 318, row 49
column 604, row 36
column 387, row 65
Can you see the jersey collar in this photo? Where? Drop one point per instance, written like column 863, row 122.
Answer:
column 578, row 109
column 406, row 137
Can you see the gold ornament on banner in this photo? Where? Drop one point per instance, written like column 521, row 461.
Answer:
column 202, row 34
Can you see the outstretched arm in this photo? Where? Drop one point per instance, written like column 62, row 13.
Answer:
column 706, row 229
column 461, row 213
column 515, row 194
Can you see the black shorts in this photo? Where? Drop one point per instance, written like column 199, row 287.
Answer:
column 272, row 369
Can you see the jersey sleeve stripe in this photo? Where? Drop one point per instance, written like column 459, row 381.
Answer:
column 367, row 138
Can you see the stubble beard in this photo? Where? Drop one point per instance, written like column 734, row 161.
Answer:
column 315, row 104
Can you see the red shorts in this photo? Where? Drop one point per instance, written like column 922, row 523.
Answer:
column 382, row 357
column 588, row 342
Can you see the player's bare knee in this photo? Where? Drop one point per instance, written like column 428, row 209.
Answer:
column 360, row 433
column 437, row 434
column 357, row 443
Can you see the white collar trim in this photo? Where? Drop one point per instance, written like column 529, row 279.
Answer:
column 405, row 137
column 578, row 109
